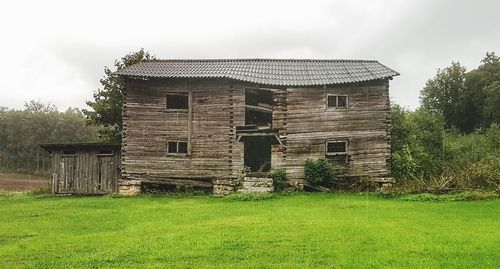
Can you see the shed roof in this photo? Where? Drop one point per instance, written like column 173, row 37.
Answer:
column 278, row 72
column 78, row 145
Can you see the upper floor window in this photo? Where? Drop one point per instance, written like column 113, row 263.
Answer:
column 177, row 101
column 338, row 101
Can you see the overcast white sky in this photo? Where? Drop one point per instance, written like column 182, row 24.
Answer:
column 55, row 51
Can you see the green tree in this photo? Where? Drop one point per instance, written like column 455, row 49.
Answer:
column 403, row 165
column 467, row 100
column 400, row 129
column 491, row 108
column 481, row 100
column 442, row 93
column 21, row 131
column 416, row 142
column 106, row 108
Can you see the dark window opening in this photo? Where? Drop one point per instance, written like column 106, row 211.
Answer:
column 177, row 147
column 177, row 101
column 336, row 147
column 332, row 101
column 182, row 147
column 108, row 152
column 259, row 108
column 69, row 152
column 172, row 147
column 339, row 101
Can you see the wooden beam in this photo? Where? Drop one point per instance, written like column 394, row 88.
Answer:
column 259, row 109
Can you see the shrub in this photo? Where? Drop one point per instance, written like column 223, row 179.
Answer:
column 319, row 171
column 403, row 165
column 280, row 181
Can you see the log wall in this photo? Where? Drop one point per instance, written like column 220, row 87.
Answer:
column 216, row 109
column 218, row 106
column 364, row 124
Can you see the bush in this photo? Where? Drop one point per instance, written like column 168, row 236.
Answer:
column 280, row 181
column 403, row 165
column 426, row 157
column 319, row 172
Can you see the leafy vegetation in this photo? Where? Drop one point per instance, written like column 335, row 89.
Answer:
column 21, row 131
column 467, row 100
column 428, row 158
column 106, row 108
column 280, row 181
column 319, row 171
column 452, row 142
column 299, row 231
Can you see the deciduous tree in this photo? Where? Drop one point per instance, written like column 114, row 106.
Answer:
column 106, row 108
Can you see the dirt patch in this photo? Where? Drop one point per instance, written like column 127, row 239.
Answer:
column 16, row 182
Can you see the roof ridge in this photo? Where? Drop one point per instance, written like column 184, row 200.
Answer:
column 257, row 59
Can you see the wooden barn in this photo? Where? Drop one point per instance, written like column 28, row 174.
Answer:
column 84, row 168
column 199, row 123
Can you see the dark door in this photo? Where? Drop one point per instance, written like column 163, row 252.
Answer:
column 258, row 154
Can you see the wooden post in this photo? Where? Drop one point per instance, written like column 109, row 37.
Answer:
column 190, row 117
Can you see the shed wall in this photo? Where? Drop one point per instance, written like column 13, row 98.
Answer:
column 85, row 172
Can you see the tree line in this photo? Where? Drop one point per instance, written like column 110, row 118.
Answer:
column 452, row 141
column 22, row 130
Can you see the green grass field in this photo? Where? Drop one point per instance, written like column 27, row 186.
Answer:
column 297, row 231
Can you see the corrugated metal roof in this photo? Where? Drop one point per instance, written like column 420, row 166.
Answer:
column 278, row 72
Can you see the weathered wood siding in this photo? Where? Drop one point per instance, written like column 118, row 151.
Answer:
column 216, row 109
column 85, row 172
column 218, row 106
column 364, row 123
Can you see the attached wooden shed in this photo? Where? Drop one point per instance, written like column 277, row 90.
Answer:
column 84, row 168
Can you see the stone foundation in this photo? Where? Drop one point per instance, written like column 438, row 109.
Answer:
column 248, row 185
column 129, row 187
column 223, row 186
column 256, row 185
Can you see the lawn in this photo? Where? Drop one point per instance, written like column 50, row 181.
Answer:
column 297, row 231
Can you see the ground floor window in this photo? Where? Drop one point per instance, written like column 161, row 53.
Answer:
column 177, row 147
column 336, row 147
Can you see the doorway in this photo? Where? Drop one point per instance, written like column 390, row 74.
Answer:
column 258, row 154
